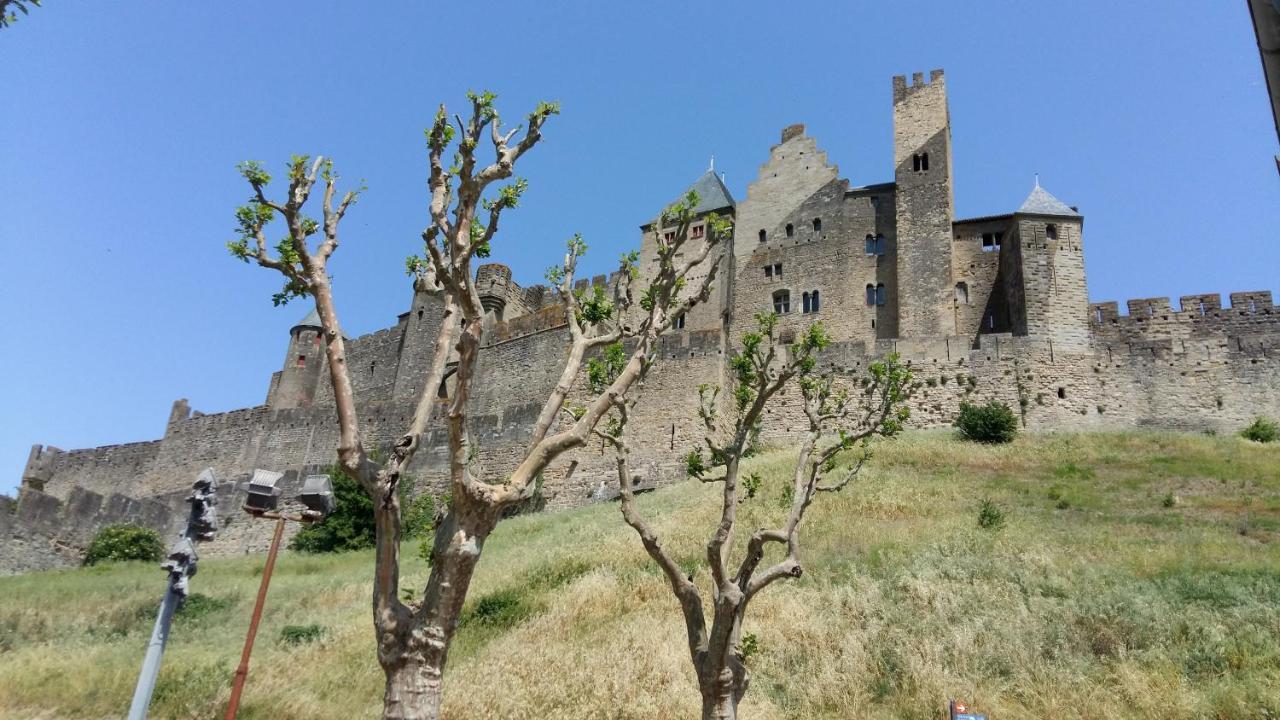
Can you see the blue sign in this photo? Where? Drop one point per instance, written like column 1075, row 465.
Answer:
column 969, row 716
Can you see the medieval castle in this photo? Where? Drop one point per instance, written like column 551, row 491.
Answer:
column 990, row 307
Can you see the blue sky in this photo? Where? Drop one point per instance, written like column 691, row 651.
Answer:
column 122, row 123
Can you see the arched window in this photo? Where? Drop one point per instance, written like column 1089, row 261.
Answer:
column 1202, row 313
column 1097, row 315
column 871, row 244
column 791, row 230
column 881, row 297
column 814, row 301
column 962, row 294
column 879, row 244
column 763, row 236
column 817, row 224
column 805, row 306
column 871, row 294
column 782, row 302
column 1051, row 231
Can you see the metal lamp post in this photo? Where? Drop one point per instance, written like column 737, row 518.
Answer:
column 202, row 523
column 264, row 497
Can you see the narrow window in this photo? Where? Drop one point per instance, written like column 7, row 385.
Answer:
column 782, row 302
column 1201, row 308
column 991, row 322
column 924, row 162
column 871, row 294
column 316, row 340
column 373, row 366
column 1097, row 315
column 1151, row 310
column 879, row 244
column 668, row 236
column 1062, row 393
column 817, row 224
column 999, row 237
column 814, row 301
column 873, row 323
column 806, row 309
column 763, row 235
column 777, row 269
column 697, row 231
column 679, row 322
column 962, row 294
column 915, row 162
column 302, row 361
column 419, row 314
column 1051, row 231
column 791, row 230
column 1253, row 307
column 768, row 271
column 871, row 244
column 881, row 297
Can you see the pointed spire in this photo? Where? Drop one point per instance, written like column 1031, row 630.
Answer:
column 1040, row 202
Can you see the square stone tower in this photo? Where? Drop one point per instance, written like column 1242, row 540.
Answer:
column 925, row 206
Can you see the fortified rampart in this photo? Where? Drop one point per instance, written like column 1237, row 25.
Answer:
column 984, row 308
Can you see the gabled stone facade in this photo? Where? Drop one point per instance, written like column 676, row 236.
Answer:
column 984, row 308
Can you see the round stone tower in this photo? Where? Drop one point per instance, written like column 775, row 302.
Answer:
column 493, row 282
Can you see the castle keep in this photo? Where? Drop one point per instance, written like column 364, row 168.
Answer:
column 984, row 308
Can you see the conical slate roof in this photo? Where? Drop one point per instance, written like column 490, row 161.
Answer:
column 1040, row 202
column 712, row 193
column 312, row 320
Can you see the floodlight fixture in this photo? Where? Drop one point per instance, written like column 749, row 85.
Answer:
column 264, row 495
column 317, row 495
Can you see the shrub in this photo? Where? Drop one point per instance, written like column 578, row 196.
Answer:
column 502, row 609
column 990, row 423
column 749, row 646
column 990, row 516
column 1262, row 430
column 124, row 542
column 1169, row 500
column 300, row 634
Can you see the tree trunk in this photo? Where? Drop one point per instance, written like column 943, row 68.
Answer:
column 722, row 689
column 414, row 690
column 720, row 701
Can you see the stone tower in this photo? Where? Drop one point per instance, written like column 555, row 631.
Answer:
column 925, row 208
column 421, row 326
column 303, row 361
column 1044, row 266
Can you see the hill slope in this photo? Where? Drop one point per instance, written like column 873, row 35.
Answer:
column 1136, row 576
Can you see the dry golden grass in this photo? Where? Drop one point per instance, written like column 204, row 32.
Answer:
column 1093, row 601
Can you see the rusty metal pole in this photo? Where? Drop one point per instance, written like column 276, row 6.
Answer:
column 242, row 672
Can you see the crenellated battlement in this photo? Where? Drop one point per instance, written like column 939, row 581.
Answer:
column 1246, row 308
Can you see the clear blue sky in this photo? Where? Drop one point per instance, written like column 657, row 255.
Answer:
column 122, row 123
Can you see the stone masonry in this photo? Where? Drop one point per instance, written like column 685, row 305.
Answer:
column 984, row 308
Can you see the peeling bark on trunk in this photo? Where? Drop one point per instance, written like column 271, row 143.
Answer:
column 414, row 690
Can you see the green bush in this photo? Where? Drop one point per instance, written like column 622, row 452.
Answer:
column 300, row 634
column 990, row 516
column 124, row 542
column 990, row 423
column 1262, row 430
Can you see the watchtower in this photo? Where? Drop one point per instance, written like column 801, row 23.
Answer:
column 925, row 207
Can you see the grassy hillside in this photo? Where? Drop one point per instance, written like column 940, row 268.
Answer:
column 1135, row 576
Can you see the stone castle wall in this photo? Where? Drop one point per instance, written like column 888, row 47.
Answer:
column 1010, row 323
